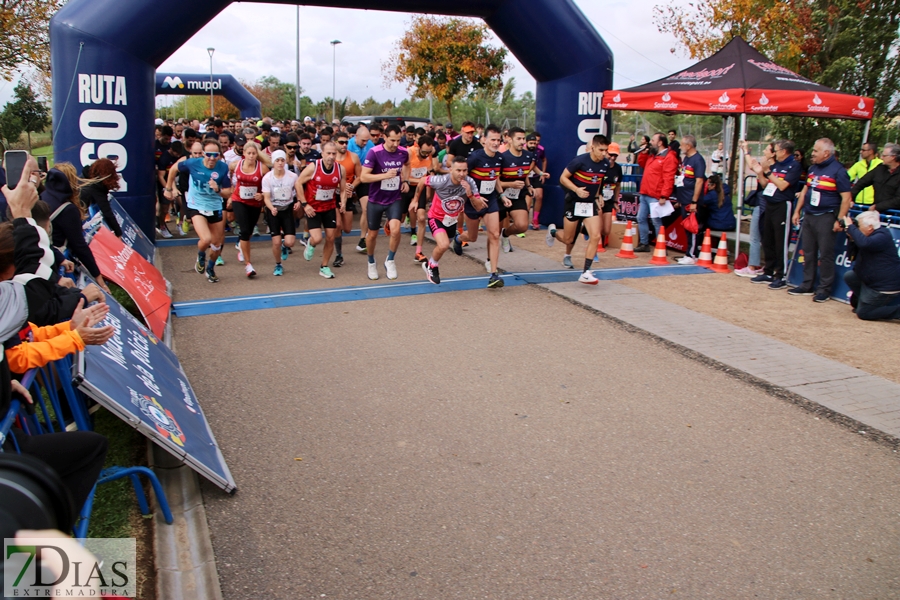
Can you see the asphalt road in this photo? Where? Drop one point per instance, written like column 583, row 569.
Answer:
column 509, row 444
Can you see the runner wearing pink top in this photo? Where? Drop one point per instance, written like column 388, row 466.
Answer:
column 450, row 193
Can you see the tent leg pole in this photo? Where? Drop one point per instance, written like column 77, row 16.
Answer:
column 866, row 131
column 740, row 184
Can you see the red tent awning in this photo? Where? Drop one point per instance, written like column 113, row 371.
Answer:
column 738, row 79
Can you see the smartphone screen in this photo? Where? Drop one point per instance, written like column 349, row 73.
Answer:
column 14, row 161
column 42, row 163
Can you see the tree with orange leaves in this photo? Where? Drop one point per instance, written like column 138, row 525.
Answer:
column 25, row 34
column 447, row 57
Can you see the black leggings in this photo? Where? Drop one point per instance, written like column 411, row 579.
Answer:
column 247, row 217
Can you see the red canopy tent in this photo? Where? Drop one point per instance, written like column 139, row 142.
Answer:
column 739, row 80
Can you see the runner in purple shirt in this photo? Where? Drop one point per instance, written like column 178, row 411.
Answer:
column 386, row 170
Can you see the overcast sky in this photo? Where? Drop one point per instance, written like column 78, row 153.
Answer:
column 368, row 36
column 641, row 53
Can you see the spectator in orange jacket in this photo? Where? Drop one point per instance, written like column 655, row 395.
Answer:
column 660, row 165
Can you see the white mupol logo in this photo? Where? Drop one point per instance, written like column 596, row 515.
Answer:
column 173, row 82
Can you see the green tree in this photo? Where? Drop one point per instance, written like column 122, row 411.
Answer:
column 447, row 57
column 31, row 112
column 10, row 127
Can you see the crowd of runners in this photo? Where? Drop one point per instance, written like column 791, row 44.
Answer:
column 312, row 183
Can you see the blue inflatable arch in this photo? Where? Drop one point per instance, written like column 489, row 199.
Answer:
column 107, row 52
column 227, row 86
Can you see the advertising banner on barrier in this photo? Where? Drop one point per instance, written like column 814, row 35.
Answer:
column 132, row 236
column 125, row 267
column 628, row 207
column 839, row 290
column 140, row 380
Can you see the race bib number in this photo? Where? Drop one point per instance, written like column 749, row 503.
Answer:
column 511, row 193
column 324, row 195
column 584, row 209
column 391, row 185
column 280, row 193
column 770, row 190
column 607, row 194
column 815, row 196
column 419, row 173
column 679, row 181
column 247, row 192
column 448, row 220
column 487, row 187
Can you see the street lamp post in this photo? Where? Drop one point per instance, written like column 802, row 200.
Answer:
column 334, row 44
column 297, row 88
column 212, row 112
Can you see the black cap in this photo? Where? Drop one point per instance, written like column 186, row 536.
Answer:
column 530, row 138
column 240, row 140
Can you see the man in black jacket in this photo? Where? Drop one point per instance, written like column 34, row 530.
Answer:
column 875, row 277
column 885, row 179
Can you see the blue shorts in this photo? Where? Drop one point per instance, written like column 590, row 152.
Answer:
column 492, row 207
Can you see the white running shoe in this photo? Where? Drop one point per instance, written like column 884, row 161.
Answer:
column 747, row 271
column 686, row 260
column 373, row 271
column 240, row 253
column 551, row 235
column 165, row 232
column 588, row 278
column 391, row 268
column 251, row 272
column 504, row 244
column 487, row 267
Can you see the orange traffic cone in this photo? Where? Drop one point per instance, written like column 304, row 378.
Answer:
column 720, row 265
column 705, row 259
column 627, row 249
column 600, row 247
column 659, row 253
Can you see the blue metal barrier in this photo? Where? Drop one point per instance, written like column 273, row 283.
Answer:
column 113, row 473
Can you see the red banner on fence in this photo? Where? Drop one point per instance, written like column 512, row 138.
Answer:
column 126, row 268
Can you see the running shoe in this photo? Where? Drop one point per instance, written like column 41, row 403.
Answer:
column 250, row 271
column 361, row 246
column 326, row 273
column 457, row 246
column 465, row 244
column 778, row 284
column 431, row 273
column 536, row 226
column 520, row 235
column 801, row 291
column 220, row 262
column 185, row 226
column 821, row 297
column 255, row 230
column 338, row 260
column 567, row 262
column 487, row 266
column 406, row 222
column 686, row 260
column 200, row 265
column 284, row 252
column 373, row 271
column 309, row 251
column 179, row 230
column 420, row 258
column 588, row 278
column 302, row 240
column 413, row 240
column 211, row 274
column 495, row 281
column 551, row 235
column 279, row 270
column 763, row 278
column 504, row 243
column 748, row 271
column 240, row 253
column 391, row 268
column 164, row 232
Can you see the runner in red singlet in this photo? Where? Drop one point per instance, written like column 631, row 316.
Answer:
column 317, row 186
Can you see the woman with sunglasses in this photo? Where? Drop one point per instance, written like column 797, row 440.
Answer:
column 247, row 200
column 209, row 186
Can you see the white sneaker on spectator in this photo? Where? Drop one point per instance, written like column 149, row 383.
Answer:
column 686, row 260
column 747, row 271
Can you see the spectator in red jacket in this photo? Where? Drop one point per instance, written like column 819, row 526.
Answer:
column 660, row 165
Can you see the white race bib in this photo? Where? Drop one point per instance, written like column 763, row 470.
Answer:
column 448, row 220
column 770, row 190
column 281, row 193
column 247, row 192
column 584, row 209
column 487, row 187
column 814, row 197
column 607, row 194
column 679, row 181
column 391, row 185
column 419, row 173
column 323, row 194
column 511, row 193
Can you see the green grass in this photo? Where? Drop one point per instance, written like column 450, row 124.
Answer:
column 115, row 503
column 44, row 151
